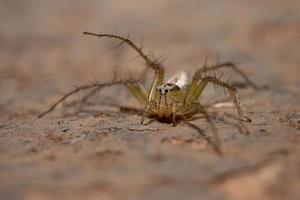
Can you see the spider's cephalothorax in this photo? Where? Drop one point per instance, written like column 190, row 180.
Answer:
column 165, row 88
column 170, row 96
column 173, row 99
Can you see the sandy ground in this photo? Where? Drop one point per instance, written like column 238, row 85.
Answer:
column 102, row 153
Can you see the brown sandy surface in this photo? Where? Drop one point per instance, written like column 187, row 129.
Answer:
column 102, row 153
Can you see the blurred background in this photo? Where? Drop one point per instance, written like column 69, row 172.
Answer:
column 43, row 50
column 43, row 53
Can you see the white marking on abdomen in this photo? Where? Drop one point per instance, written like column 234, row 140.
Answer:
column 180, row 79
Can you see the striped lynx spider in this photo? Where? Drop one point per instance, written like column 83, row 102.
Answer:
column 172, row 100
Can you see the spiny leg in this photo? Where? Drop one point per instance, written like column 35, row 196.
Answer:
column 83, row 101
column 174, row 106
column 132, row 110
column 78, row 89
column 138, row 91
column 149, row 62
column 156, row 66
column 232, row 90
column 153, row 93
column 197, row 89
column 191, row 115
column 135, row 87
column 231, row 65
column 147, row 110
column 241, row 128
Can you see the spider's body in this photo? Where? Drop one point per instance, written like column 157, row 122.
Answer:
column 169, row 97
column 173, row 99
column 169, row 104
column 169, row 94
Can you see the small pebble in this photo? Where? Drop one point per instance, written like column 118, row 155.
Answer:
column 65, row 130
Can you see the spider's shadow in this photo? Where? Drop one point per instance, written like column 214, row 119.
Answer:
column 208, row 139
column 139, row 112
column 213, row 115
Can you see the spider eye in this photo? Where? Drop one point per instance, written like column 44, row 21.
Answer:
column 167, row 90
column 159, row 90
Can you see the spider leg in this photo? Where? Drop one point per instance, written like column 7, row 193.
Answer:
column 132, row 110
column 234, row 68
column 174, row 106
column 78, row 89
column 155, row 65
column 124, row 40
column 136, row 88
column 192, row 117
column 83, row 101
column 153, row 93
column 197, row 88
column 146, row 110
column 138, row 91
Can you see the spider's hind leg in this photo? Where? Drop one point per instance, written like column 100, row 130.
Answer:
column 232, row 66
column 95, row 86
column 199, row 84
column 135, row 87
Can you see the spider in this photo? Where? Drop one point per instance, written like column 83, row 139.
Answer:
column 172, row 100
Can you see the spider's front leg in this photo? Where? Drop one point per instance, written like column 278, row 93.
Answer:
column 140, row 93
column 137, row 90
column 153, row 93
